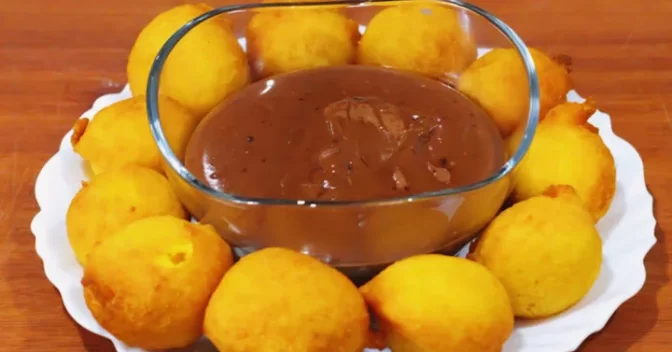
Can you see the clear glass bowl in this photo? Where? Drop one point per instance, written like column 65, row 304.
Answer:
column 357, row 237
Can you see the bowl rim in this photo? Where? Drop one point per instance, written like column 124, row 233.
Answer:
column 152, row 94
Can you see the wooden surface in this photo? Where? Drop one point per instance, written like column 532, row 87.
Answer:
column 56, row 57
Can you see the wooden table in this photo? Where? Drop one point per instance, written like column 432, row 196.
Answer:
column 56, row 57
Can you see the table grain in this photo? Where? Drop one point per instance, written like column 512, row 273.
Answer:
column 56, row 57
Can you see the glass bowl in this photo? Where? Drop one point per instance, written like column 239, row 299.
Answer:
column 356, row 237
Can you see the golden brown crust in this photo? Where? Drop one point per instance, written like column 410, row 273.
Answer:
column 276, row 281
column 498, row 82
column 588, row 164
column 181, row 262
column 556, row 191
column 267, row 58
column 78, row 130
column 409, row 323
column 564, row 60
column 573, row 113
column 432, row 41
column 376, row 340
column 604, row 192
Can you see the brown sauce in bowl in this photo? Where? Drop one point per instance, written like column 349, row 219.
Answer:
column 344, row 133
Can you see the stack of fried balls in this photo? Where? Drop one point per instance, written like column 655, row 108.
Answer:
column 156, row 280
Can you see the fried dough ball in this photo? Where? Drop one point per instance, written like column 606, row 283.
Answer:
column 205, row 67
column 114, row 199
column 277, row 300
column 149, row 283
column 498, row 82
column 545, row 250
column 439, row 303
column 281, row 41
column 120, row 135
column 420, row 37
column 566, row 149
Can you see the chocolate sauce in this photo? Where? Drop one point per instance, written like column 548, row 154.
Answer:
column 344, row 133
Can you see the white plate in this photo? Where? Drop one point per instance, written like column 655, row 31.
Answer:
column 627, row 232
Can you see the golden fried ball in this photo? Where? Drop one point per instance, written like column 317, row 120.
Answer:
column 424, row 38
column 205, row 67
column 567, row 150
column 281, row 41
column 277, row 300
column 545, row 250
column 114, row 199
column 120, row 135
column 498, row 82
column 149, row 283
column 439, row 303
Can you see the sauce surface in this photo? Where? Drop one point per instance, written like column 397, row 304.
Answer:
column 344, row 133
